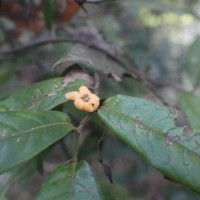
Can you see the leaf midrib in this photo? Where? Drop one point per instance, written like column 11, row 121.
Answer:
column 19, row 133
column 39, row 98
column 153, row 131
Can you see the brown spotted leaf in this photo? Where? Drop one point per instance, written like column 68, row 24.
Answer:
column 149, row 129
column 44, row 95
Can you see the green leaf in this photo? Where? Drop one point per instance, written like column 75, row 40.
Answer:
column 44, row 95
column 190, row 105
column 149, row 129
column 25, row 134
column 49, row 12
column 194, row 61
column 70, row 181
column 90, row 59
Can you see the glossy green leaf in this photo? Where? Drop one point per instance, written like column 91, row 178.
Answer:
column 149, row 129
column 70, row 181
column 190, row 105
column 44, row 95
column 91, row 59
column 25, row 134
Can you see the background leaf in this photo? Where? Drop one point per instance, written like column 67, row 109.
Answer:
column 194, row 61
column 190, row 105
column 166, row 6
column 114, row 191
column 91, row 59
column 24, row 134
column 149, row 129
column 70, row 181
column 44, row 95
column 49, row 12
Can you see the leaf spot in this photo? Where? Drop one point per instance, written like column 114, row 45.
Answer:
column 89, row 62
column 169, row 142
column 172, row 111
column 141, row 126
column 138, row 123
column 117, row 124
column 56, row 86
column 33, row 105
column 186, row 164
column 172, row 139
column 51, row 94
column 3, row 134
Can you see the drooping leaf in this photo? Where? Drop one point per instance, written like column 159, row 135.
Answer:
column 190, row 105
column 70, row 181
column 91, row 59
column 149, row 129
column 44, row 95
column 24, row 134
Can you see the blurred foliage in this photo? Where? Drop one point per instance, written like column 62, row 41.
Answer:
column 157, row 38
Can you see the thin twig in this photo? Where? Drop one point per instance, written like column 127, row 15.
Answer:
column 60, row 40
column 40, row 43
column 96, row 83
column 133, row 73
column 168, row 84
column 76, row 148
column 93, row 1
column 106, row 167
column 157, row 95
column 77, row 136
column 98, row 1
column 35, row 44
column 84, row 122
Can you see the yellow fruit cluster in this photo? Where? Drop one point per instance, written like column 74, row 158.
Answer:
column 84, row 99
